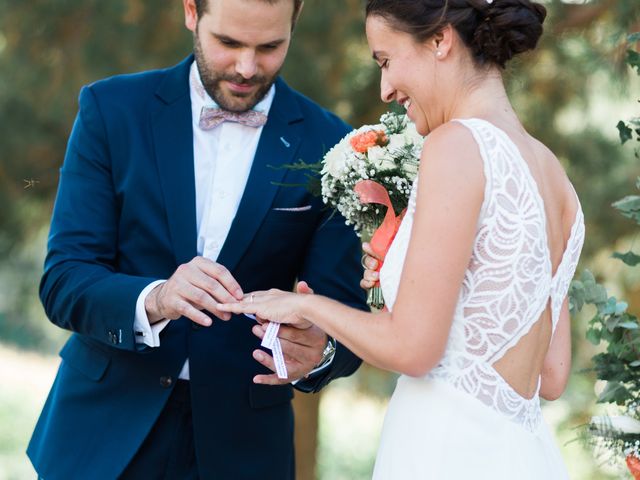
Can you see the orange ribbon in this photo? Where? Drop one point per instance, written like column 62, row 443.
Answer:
column 633, row 463
column 372, row 192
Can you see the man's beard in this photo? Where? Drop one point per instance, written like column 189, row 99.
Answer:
column 229, row 101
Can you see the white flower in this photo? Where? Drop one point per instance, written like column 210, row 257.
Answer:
column 397, row 141
column 335, row 161
column 379, row 157
column 621, row 423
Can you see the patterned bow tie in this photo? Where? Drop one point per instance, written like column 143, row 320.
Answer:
column 211, row 117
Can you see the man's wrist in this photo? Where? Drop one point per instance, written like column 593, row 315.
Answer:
column 151, row 305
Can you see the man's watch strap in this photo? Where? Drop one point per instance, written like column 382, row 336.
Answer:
column 327, row 354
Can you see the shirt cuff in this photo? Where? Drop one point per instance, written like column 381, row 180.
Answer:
column 146, row 333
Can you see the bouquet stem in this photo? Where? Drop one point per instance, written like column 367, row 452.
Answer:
column 375, row 298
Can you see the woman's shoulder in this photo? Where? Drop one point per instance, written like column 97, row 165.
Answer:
column 452, row 143
column 451, row 162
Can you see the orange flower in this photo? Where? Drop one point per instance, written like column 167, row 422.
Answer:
column 633, row 463
column 365, row 140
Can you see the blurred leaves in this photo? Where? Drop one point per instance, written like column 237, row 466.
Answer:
column 68, row 44
column 612, row 324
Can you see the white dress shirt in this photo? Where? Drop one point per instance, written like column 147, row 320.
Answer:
column 222, row 161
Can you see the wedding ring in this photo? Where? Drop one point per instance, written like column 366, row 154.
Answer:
column 364, row 257
column 251, row 297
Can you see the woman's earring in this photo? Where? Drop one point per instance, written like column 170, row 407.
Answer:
column 438, row 53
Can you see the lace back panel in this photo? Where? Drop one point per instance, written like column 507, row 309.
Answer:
column 509, row 281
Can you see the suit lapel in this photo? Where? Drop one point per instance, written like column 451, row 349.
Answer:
column 173, row 136
column 278, row 145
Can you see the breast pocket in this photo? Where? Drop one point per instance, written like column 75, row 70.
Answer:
column 304, row 215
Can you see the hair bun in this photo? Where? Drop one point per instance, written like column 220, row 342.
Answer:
column 507, row 28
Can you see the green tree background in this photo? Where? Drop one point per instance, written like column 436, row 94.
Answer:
column 570, row 93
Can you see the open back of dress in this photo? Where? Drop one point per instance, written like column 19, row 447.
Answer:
column 509, row 281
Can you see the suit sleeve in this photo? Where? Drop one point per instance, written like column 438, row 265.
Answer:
column 332, row 268
column 81, row 290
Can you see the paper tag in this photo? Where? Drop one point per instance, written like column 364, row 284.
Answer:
column 278, row 359
column 272, row 342
column 270, row 335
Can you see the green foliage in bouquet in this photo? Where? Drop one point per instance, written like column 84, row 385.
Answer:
column 612, row 324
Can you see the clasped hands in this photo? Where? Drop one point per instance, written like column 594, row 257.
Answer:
column 203, row 285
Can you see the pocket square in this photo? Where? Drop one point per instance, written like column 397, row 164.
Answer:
column 293, row 209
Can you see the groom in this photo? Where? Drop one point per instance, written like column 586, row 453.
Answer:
column 166, row 206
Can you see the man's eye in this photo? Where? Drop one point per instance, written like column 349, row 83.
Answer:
column 268, row 47
column 229, row 43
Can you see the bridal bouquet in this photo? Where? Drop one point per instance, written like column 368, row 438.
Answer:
column 368, row 177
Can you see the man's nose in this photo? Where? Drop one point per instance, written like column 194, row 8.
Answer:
column 246, row 64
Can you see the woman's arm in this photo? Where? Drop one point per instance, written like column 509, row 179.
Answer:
column 411, row 339
column 557, row 362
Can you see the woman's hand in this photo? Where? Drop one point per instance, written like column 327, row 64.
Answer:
column 371, row 263
column 271, row 306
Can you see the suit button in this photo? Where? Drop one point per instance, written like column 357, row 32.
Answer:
column 166, row 382
column 195, row 326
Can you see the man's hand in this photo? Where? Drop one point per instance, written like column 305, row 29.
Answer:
column 195, row 286
column 302, row 349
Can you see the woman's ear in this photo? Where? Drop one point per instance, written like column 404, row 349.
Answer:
column 442, row 42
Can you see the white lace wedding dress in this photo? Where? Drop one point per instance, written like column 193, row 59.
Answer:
column 463, row 420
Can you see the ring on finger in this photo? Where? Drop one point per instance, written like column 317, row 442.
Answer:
column 363, row 261
column 251, row 297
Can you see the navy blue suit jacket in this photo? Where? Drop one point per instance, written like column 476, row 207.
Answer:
column 125, row 216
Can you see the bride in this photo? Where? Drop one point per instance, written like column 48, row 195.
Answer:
column 476, row 279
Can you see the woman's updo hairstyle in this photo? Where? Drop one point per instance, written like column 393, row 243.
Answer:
column 494, row 32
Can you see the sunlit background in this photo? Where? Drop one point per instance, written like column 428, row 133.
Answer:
column 570, row 93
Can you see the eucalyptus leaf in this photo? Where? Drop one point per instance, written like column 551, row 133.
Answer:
column 587, row 276
column 633, row 37
column 630, row 203
column 621, row 307
column 624, row 131
column 610, row 307
column 612, row 323
column 614, row 392
column 594, row 336
column 597, row 294
column 633, row 59
column 628, row 325
column 629, row 258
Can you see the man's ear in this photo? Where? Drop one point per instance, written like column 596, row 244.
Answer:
column 190, row 14
column 296, row 16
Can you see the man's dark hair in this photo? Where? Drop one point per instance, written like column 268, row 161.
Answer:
column 202, row 5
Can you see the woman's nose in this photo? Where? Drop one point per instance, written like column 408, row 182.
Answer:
column 387, row 92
